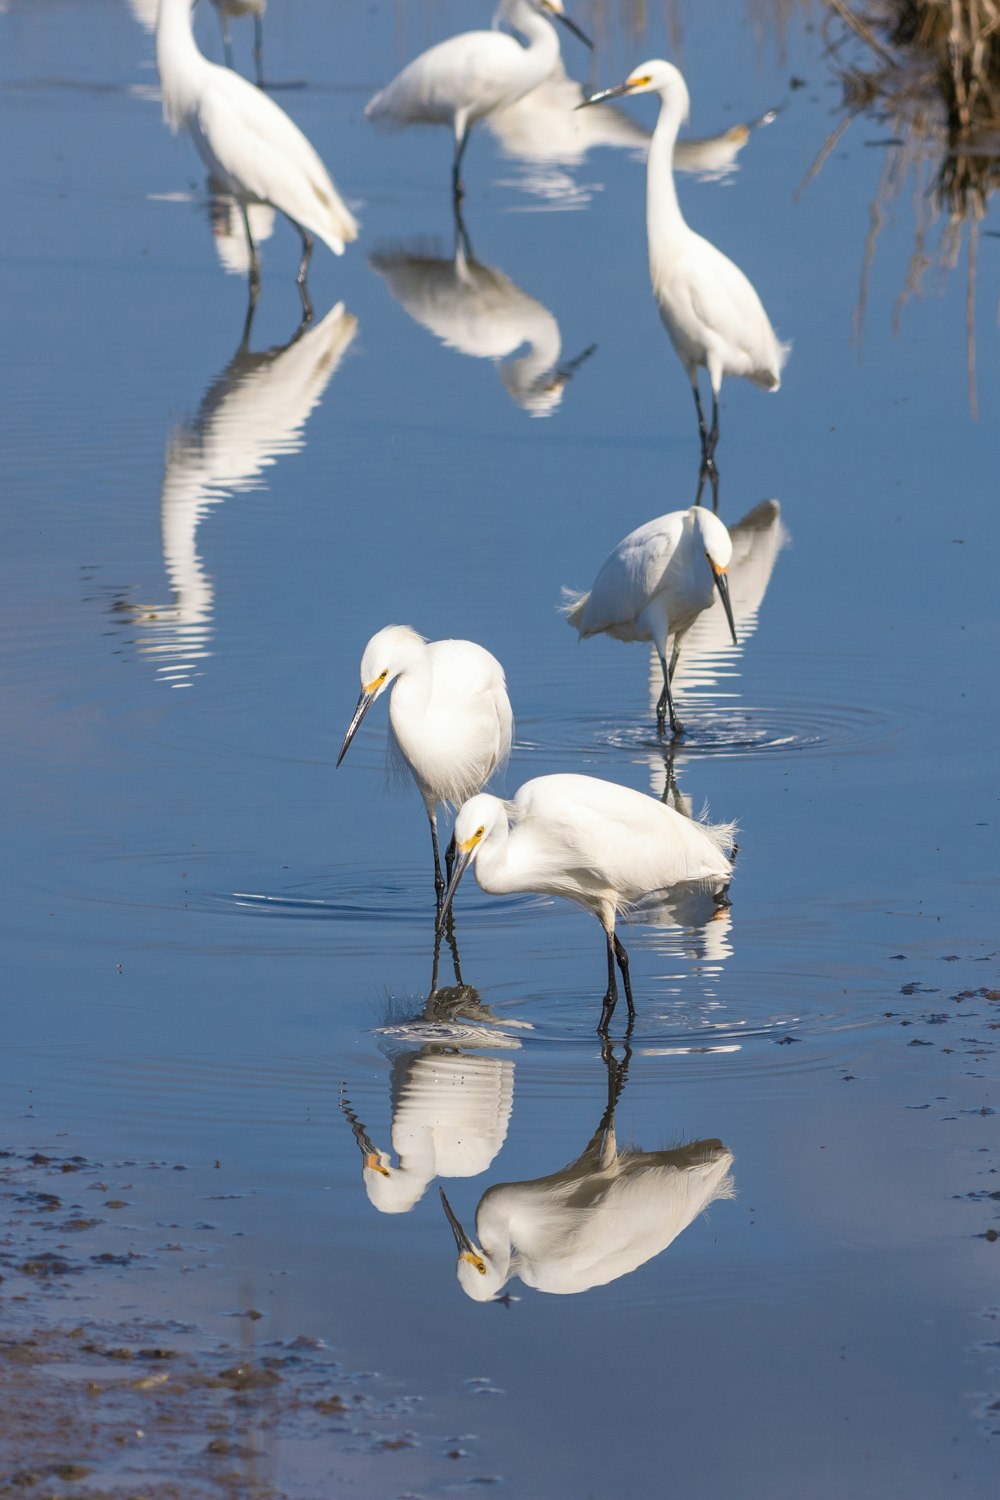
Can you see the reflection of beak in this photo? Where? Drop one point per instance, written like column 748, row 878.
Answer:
column 462, row 863
column 723, row 587
column 364, row 704
column 615, row 93
column 581, row 36
column 465, row 1245
column 364, row 1140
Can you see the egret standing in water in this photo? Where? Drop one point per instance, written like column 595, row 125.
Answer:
column 653, row 587
column 449, row 717
column 248, row 143
column 459, row 81
column 601, row 845
column 238, row 8
column 714, row 317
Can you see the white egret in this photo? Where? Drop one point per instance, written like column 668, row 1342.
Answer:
column 247, row 142
column 601, row 1217
column 653, row 587
column 449, row 716
column 478, row 311
column 601, row 845
column 468, row 76
column 239, row 8
column 254, row 412
column 713, row 315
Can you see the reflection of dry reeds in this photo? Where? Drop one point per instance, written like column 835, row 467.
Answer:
column 930, row 71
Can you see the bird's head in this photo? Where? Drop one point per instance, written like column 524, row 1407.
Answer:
column 477, row 1277
column 718, row 548
column 388, row 653
column 558, row 10
column 654, row 77
column 476, row 820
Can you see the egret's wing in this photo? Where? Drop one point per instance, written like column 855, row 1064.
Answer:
column 470, row 71
column 631, row 576
column 726, row 301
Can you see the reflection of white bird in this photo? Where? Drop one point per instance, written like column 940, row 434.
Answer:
column 463, row 79
column 479, row 311
column 709, row 656
column 601, row 1217
column 239, row 8
column 713, row 315
column 449, row 716
column 228, row 231
column 601, row 845
column 246, row 141
column 450, row 1105
column 653, row 587
column 547, row 130
column 250, row 416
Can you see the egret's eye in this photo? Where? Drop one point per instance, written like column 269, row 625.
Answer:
column 481, row 1268
column 480, row 831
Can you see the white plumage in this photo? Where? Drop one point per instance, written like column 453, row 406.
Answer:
column 449, row 714
column 601, row 1217
column 655, row 584
column 593, row 842
column 468, row 76
column 246, row 141
column 712, row 313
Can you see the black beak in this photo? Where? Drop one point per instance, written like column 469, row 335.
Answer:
column 364, row 704
column 462, row 862
column 723, row 586
column 465, row 1245
column 581, row 36
column 615, row 93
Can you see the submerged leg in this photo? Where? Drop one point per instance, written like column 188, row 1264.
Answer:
column 665, row 704
column 611, row 996
column 258, row 48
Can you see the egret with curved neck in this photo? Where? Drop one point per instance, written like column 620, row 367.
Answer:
column 248, row 143
column 468, row 76
column 714, row 317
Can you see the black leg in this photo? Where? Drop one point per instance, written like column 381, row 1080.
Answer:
column 708, row 442
column 611, row 997
column 713, row 436
column 438, row 877
column 458, row 191
column 300, row 275
column 254, row 257
column 665, row 704
column 258, row 48
column 622, row 958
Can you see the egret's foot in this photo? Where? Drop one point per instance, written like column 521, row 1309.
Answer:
column 676, row 728
column 607, row 1011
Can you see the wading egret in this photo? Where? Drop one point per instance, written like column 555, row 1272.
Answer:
column 653, row 587
column 459, row 81
column 239, row 8
column 479, row 311
column 601, row 845
column 713, row 315
column 247, row 142
column 449, row 717
column 601, row 1217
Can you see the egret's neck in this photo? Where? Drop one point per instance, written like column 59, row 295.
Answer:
column 493, row 868
column 542, row 38
column 664, row 219
column 180, row 64
column 412, row 688
column 521, row 376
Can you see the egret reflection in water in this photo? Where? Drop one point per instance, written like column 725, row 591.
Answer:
column 229, row 230
column 547, row 132
column 601, row 1217
column 708, row 665
column 451, row 1101
column 251, row 415
column 477, row 310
